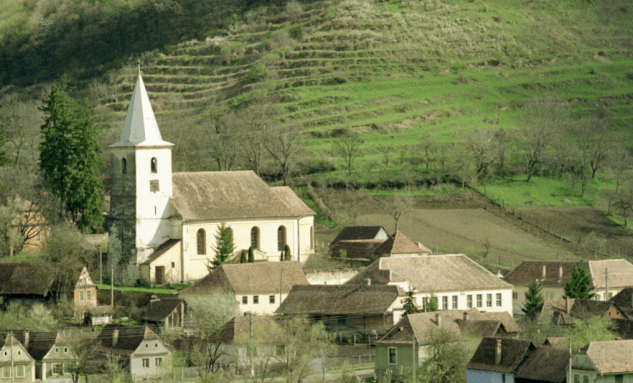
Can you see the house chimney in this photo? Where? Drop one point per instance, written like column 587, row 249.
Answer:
column 115, row 337
column 498, row 350
column 368, row 281
column 544, row 270
column 465, row 315
column 26, row 338
column 568, row 305
column 560, row 272
column 438, row 319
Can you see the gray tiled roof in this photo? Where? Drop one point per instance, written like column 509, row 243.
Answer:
column 611, row 357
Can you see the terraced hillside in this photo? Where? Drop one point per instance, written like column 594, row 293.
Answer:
column 407, row 67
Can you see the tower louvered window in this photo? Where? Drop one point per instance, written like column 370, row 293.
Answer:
column 255, row 238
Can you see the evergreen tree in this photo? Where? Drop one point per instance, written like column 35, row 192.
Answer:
column 251, row 255
column 433, row 304
column 533, row 297
column 579, row 283
column 409, row 303
column 69, row 156
column 287, row 255
column 223, row 246
column 243, row 256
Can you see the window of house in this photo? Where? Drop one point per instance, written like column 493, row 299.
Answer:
column 88, row 295
column 123, row 166
column 271, row 299
column 154, row 165
column 81, row 295
column 515, row 295
column 245, row 300
column 58, row 369
column 255, row 299
column 488, row 300
column 19, row 371
column 454, row 302
column 255, row 238
column 159, row 361
column 503, row 378
column 469, row 301
column 19, row 352
column 201, row 240
column 576, row 378
column 499, row 300
column 585, row 379
column 146, row 362
column 479, row 300
column 173, row 265
column 56, row 349
column 65, row 350
column 6, row 372
column 393, row 359
column 619, row 379
column 281, row 238
column 444, row 303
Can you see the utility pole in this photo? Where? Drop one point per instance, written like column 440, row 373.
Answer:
column 606, row 282
column 112, row 283
column 413, row 365
column 570, row 359
column 100, row 267
column 250, row 343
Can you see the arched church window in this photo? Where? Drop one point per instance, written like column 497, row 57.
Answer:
column 281, row 238
column 255, row 238
column 154, row 165
column 201, row 239
column 123, row 166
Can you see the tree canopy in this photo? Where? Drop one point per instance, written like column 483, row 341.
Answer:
column 223, row 246
column 69, row 155
column 579, row 283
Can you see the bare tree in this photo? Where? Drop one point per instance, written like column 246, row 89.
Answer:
column 347, row 147
column 480, row 143
column 221, row 139
column 620, row 162
column 21, row 121
column 595, row 140
column 283, row 143
column 254, row 124
column 429, row 146
column 397, row 207
column 83, row 352
column 546, row 117
column 283, row 42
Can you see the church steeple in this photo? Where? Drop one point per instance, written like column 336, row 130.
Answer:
column 140, row 128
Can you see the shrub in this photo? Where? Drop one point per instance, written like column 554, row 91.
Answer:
column 251, row 255
column 255, row 74
column 296, row 32
column 287, row 255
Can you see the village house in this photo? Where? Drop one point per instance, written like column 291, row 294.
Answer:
column 162, row 226
column 379, row 244
column 553, row 276
column 564, row 311
column 497, row 360
column 608, row 361
column 16, row 363
column 369, row 309
column 165, row 315
column 394, row 351
column 456, row 281
column 624, row 300
column 50, row 351
column 138, row 349
column 259, row 287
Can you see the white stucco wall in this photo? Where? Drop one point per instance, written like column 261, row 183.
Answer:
column 149, row 349
column 264, row 307
column 196, row 265
column 330, row 277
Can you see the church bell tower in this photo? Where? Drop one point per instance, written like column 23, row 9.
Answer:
column 141, row 186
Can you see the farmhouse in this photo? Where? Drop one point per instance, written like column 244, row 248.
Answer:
column 456, row 281
column 608, row 361
column 162, row 225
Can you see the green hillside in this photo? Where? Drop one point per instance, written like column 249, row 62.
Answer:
column 399, row 72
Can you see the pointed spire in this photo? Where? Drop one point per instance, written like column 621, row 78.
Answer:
column 140, row 128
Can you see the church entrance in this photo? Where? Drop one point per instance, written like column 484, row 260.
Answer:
column 160, row 275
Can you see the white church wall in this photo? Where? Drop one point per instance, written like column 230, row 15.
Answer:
column 144, row 172
column 170, row 260
column 241, row 240
column 306, row 225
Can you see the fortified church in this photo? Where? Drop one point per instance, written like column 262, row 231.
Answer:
column 163, row 224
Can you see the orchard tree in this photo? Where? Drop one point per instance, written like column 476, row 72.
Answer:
column 223, row 246
column 533, row 297
column 69, row 156
column 579, row 283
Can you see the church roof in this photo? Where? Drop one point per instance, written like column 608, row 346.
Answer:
column 140, row 128
column 208, row 196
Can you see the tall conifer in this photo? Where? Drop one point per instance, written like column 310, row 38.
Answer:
column 579, row 283
column 533, row 297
